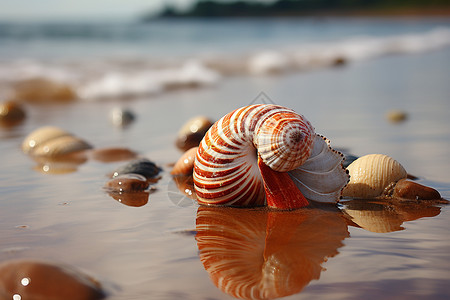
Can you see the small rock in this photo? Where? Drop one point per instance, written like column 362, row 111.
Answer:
column 185, row 164
column 41, row 90
column 192, row 132
column 396, row 116
column 407, row 189
column 28, row 279
column 122, row 117
column 140, row 166
column 112, row 154
column 11, row 113
column 127, row 183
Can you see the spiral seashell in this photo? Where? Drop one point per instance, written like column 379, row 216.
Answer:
column 244, row 158
column 52, row 142
column 371, row 175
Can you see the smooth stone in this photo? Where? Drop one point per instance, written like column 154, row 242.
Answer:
column 406, row 189
column 112, row 154
column 41, row 90
column 192, row 132
column 11, row 113
column 35, row 280
column 122, row 117
column 396, row 116
column 185, row 164
column 141, row 166
column 127, row 183
column 137, row 199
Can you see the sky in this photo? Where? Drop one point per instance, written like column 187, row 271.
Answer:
column 23, row 10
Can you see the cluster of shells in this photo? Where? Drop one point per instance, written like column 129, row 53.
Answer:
column 373, row 176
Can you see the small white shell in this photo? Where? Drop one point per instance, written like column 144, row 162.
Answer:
column 371, row 174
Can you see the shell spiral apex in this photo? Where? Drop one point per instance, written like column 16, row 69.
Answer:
column 244, row 158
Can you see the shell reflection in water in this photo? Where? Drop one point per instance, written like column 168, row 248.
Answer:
column 386, row 216
column 34, row 280
column 244, row 158
column 260, row 254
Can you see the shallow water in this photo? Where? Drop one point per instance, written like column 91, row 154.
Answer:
column 152, row 251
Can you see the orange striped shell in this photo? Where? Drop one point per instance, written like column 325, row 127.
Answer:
column 226, row 170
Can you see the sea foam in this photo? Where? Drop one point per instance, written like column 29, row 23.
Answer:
column 139, row 77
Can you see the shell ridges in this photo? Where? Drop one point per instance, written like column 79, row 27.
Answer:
column 226, row 170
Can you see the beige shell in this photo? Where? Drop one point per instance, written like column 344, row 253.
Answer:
column 371, row 174
column 379, row 220
column 52, row 141
column 61, row 146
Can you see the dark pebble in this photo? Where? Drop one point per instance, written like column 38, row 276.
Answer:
column 140, row 166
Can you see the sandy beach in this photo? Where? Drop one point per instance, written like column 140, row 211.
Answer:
column 151, row 251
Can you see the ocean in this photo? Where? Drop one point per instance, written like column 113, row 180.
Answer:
column 343, row 74
column 114, row 59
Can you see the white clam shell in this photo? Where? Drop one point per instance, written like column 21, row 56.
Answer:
column 371, row 174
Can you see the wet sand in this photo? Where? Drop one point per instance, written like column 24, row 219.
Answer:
column 151, row 251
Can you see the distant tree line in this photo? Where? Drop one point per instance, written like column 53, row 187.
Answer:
column 209, row 8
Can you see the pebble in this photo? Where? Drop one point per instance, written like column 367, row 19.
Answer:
column 185, row 164
column 396, row 116
column 11, row 113
column 127, row 183
column 112, row 154
column 41, row 90
column 192, row 132
column 30, row 279
column 141, row 166
column 410, row 190
column 122, row 117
